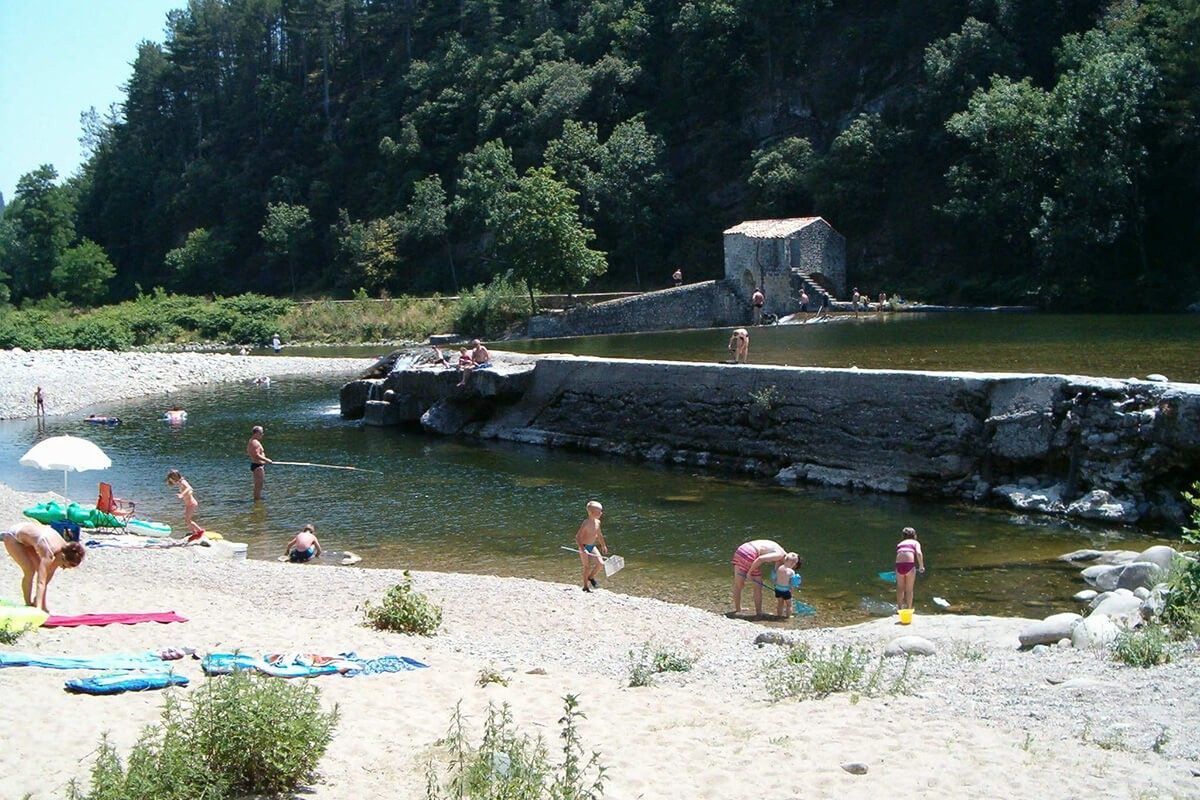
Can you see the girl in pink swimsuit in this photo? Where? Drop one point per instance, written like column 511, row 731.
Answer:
column 908, row 558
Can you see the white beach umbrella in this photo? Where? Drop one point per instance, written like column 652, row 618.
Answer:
column 68, row 453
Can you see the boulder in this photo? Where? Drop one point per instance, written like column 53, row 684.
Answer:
column 1139, row 574
column 445, row 417
column 1160, row 555
column 772, row 637
column 855, row 767
column 1047, row 501
column 1103, row 576
column 1085, row 595
column 1099, row 504
column 1081, row 556
column 1095, row 631
column 910, row 646
column 1122, row 608
column 1049, row 630
column 1141, row 593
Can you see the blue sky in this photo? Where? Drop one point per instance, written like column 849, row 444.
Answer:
column 57, row 58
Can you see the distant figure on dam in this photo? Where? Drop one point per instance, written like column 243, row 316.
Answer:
column 739, row 345
column 756, row 306
column 677, row 276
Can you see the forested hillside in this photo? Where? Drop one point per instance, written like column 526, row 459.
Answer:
column 969, row 150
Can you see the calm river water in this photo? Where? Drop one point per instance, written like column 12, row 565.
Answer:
column 505, row 509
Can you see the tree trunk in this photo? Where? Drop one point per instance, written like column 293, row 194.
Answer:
column 532, row 302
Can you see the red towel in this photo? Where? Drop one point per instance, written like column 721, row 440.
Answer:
column 111, row 619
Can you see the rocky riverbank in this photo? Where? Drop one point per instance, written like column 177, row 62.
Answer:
column 73, row 380
column 983, row 719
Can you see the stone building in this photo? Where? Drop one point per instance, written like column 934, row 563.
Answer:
column 781, row 255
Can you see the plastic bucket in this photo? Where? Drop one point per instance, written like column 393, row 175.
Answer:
column 906, row 616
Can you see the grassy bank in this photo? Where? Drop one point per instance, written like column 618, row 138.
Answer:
column 162, row 318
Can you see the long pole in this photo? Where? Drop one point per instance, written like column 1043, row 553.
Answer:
column 324, row 466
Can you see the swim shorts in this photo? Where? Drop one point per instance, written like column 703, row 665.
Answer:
column 300, row 556
column 743, row 557
column 254, row 466
column 783, row 594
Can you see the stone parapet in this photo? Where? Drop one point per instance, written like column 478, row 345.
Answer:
column 709, row 304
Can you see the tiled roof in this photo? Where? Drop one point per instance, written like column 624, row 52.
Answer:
column 771, row 228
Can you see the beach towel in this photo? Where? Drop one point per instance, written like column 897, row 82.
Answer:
column 117, row 682
column 134, row 544
column 109, row 662
column 112, row 619
column 306, row 665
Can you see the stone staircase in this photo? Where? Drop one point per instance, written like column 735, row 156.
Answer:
column 814, row 285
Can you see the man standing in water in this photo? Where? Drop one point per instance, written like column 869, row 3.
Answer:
column 39, row 402
column 756, row 306
column 258, row 460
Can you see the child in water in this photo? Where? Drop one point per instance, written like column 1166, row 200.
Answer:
column 785, row 578
column 586, row 538
column 304, row 545
column 190, row 504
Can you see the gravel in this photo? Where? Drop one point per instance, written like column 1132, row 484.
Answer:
column 75, row 379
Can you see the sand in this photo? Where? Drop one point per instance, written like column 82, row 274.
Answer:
column 985, row 723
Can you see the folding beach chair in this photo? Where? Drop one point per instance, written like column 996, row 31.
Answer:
column 118, row 507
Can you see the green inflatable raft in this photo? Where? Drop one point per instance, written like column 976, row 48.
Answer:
column 53, row 511
column 18, row 617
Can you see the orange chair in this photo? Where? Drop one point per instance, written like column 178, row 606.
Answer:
column 120, row 508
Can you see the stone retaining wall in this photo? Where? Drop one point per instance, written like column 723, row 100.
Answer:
column 1090, row 447
column 710, row 304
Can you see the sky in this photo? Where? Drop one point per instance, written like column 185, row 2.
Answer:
column 57, row 59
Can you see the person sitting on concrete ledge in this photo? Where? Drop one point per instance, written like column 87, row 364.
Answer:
column 480, row 359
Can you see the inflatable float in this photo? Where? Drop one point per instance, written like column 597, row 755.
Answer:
column 95, row 420
column 54, row 511
column 18, row 617
column 342, row 558
column 147, row 528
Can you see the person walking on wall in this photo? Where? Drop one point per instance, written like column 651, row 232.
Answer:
column 909, row 561
column 804, row 302
column 677, row 276
column 855, row 299
column 739, row 345
column 756, row 306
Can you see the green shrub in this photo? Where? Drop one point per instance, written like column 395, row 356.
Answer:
column 644, row 664
column 404, row 610
column 489, row 311
column 509, row 765
column 1147, row 646
column 98, row 333
column 806, row 673
column 1181, row 607
column 10, row 636
column 242, row 734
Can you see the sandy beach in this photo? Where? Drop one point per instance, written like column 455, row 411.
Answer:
column 74, row 380
column 984, row 720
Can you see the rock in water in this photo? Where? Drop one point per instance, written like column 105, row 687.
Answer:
column 941, row 602
column 1085, row 596
column 1139, row 574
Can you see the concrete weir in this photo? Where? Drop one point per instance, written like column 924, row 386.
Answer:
column 1117, row 450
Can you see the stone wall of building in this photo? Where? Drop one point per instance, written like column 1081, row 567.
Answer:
column 1089, row 447
column 819, row 248
column 710, row 304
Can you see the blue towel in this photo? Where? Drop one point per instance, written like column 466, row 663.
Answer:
column 301, row 665
column 117, row 682
column 118, row 661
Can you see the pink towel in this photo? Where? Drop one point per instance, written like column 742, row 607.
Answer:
column 111, row 619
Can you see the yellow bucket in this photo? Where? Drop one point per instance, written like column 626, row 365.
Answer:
column 906, row 616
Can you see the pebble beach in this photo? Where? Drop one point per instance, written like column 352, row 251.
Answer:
column 978, row 718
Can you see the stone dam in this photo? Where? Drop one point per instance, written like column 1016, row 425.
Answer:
column 1116, row 450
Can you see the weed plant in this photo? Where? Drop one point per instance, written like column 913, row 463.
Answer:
column 805, row 673
column 1147, row 646
column 645, row 663
column 764, row 399
column 241, row 734
column 509, row 765
column 404, row 611
column 1181, row 609
column 10, row 636
column 490, row 675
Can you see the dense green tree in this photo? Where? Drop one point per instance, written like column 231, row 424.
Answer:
column 539, row 235
column 779, row 177
column 287, row 231
column 425, row 218
column 202, row 255
column 366, row 254
column 40, row 225
column 83, row 273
